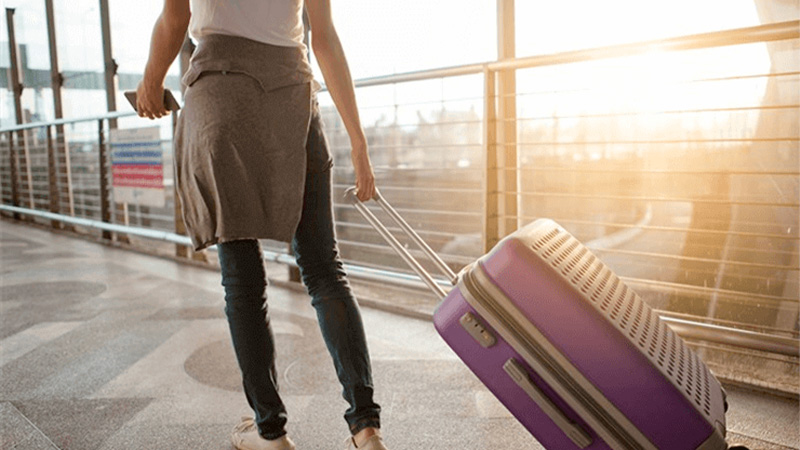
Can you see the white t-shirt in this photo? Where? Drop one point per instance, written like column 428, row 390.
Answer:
column 276, row 22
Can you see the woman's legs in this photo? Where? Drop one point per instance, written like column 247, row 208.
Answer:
column 339, row 318
column 317, row 255
column 245, row 285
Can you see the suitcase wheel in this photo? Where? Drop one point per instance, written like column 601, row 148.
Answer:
column 725, row 400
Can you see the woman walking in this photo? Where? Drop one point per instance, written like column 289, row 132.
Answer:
column 251, row 162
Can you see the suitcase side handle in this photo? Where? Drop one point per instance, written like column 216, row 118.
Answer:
column 350, row 195
column 520, row 376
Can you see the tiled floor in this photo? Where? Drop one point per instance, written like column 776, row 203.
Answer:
column 102, row 348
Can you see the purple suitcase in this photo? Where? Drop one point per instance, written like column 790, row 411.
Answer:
column 572, row 352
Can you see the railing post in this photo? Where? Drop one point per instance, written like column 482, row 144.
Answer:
column 105, row 210
column 56, row 79
column 52, row 176
column 17, row 86
column 12, row 157
column 28, row 171
column 110, row 72
column 56, row 83
column 62, row 143
column 508, row 163
column 15, row 70
column 110, row 63
column 491, row 187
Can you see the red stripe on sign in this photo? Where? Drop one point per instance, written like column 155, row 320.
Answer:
column 139, row 175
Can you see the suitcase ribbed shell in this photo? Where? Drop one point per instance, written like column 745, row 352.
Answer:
column 631, row 315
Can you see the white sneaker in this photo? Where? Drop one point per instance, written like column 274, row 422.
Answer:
column 373, row 443
column 245, row 437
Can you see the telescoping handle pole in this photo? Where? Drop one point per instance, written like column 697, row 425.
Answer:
column 426, row 277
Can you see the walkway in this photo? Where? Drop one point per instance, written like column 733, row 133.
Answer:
column 102, row 348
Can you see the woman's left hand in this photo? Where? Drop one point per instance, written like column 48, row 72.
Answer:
column 365, row 177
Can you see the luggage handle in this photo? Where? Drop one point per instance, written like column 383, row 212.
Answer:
column 574, row 431
column 350, row 194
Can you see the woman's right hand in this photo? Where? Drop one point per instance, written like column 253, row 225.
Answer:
column 168, row 35
column 150, row 100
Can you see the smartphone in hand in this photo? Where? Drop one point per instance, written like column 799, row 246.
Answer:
column 169, row 100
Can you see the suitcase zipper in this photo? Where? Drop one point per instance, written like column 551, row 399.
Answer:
column 547, row 366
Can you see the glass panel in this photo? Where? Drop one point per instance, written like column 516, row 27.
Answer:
column 386, row 37
column 425, row 144
column 31, row 32
column 551, row 27
column 80, row 53
column 131, row 31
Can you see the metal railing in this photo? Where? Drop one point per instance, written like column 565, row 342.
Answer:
column 685, row 328
column 438, row 196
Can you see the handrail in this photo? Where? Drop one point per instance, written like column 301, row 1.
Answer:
column 106, row 116
column 706, row 332
column 733, row 336
column 761, row 33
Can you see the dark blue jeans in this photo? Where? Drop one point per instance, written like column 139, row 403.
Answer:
column 315, row 248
